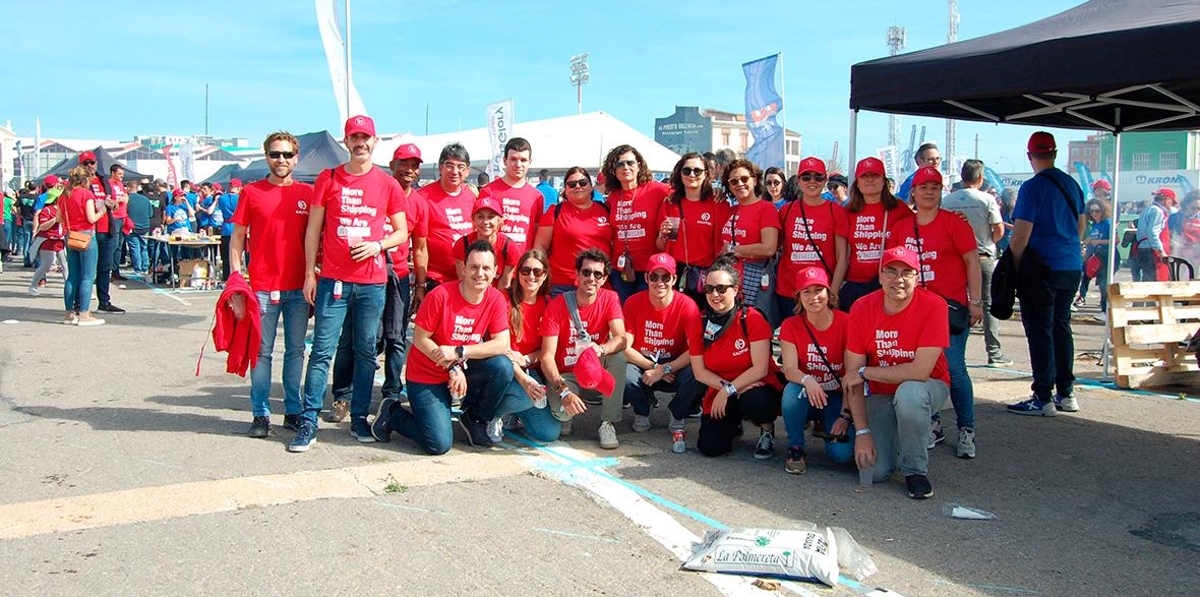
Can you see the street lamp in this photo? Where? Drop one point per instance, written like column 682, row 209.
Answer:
column 579, row 76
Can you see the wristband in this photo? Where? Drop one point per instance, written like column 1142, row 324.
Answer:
column 563, row 392
column 805, row 378
column 862, row 373
column 729, row 388
column 863, row 431
column 380, row 246
column 846, row 418
column 461, row 351
column 667, row 369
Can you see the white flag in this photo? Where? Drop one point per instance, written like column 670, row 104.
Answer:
column 500, row 123
column 335, row 54
column 187, row 162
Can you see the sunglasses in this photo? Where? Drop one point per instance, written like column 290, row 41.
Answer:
column 653, row 278
column 833, row 186
column 592, row 273
column 806, row 177
column 717, row 288
column 578, row 183
column 90, row 163
column 631, row 164
column 692, row 171
column 771, row 182
column 739, row 180
column 536, row 272
column 287, row 155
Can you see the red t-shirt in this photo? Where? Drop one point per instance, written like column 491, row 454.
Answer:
column 121, row 197
column 808, row 358
column 660, row 331
column 49, row 213
column 447, row 218
column 699, row 237
column 276, row 218
column 356, row 206
column 76, row 205
column 729, row 355
column 820, row 223
column 522, row 210
column 635, row 214
column 888, row 340
column 575, row 230
column 452, row 321
column 556, row 321
column 944, row 241
column 866, row 234
column 506, row 252
column 98, row 194
column 531, row 322
column 746, row 223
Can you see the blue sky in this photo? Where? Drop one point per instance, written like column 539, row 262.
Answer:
column 123, row 69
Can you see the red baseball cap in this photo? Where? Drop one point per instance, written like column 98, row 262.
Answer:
column 235, row 182
column 217, row 187
column 407, row 151
column 869, row 166
column 51, row 180
column 1165, row 192
column 900, row 254
column 927, row 174
column 178, row 193
column 591, row 374
column 487, row 202
column 360, row 124
column 1041, row 142
column 1102, row 184
column 811, row 164
column 85, row 156
column 810, row 276
column 662, row 261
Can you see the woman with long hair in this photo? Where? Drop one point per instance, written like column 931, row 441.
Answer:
column 751, row 233
column 575, row 223
column 690, row 223
column 773, row 183
column 730, row 348
column 634, row 198
column 79, row 212
column 814, row 235
column 871, row 209
column 1099, row 214
column 813, row 346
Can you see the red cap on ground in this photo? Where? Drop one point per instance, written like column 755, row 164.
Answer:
column 869, row 166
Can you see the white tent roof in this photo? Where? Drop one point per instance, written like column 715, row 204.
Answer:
column 558, row 143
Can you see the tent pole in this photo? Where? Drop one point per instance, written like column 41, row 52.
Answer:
column 853, row 141
column 1106, row 354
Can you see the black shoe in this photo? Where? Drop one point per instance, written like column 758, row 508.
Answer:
column 476, row 431
column 381, row 428
column 919, row 487
column 117, row 277
column 259, row 427
column 110, row 308
column 291, row 422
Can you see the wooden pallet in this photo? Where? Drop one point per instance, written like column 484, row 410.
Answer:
column 1151, row 324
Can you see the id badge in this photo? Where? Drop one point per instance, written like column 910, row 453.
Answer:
column 621, row 261
column 766, row 281
column 337, row 290
column 275, row 296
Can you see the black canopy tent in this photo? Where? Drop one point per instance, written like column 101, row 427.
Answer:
column 1115, row 65
column 104, row 161
column 319, row 151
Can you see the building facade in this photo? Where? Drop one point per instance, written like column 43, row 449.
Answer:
column 693, row 129
column 1167, row 150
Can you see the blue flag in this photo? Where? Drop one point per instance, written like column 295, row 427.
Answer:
column 993, row 179
column 762, row 106
column 1085, row 174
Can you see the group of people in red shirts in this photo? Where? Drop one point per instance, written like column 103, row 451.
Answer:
column 523, row 317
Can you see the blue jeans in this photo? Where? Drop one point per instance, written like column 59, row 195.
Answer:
column 899, row 425
column 627, row 289
column 962, row 392
column 798, row 411
column 24, row 235
column 364, row 303
column 394, row 355
column 540, row 423
column 1046, row 316
column 688, row 393
column 429, row 422
column 81, row 274
column 139, row 255
column 294, row 311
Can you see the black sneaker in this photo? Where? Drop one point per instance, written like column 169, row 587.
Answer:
column 306, row 436
column 361, row 430
column 259, row 427
column 593, row 398
column 110, row 308
column 381, row 428
column 476, row 431
column 936, row 435
column 291, row 422
column 919, row 487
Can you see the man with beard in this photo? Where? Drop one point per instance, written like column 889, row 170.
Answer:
column 108, row 232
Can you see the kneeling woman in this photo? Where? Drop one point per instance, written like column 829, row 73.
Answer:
column 730, row 348
column 814, row 391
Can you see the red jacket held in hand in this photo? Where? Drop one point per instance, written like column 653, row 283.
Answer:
column 239, row 337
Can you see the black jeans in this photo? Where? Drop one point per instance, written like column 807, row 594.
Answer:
column 852, row 291
column 760, row 405
column 1046, row 298
column 106, row 245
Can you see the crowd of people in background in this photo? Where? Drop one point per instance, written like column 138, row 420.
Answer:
column 844, row 307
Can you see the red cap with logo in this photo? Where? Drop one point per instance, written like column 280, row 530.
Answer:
column 407, row 151
column 360, row 124
column 1165, row 192
column 811, row 164
column 591, row 374
column 487, row 202
column 810, row 276
column 178, row 193
column 869, row 166
column 87, row 156
column 51, row 180
column 662, row 261
column 1042, row 142
column 927, row 174
column 235, row 182
column 901, row 255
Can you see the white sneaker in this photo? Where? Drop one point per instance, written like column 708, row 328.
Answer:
column 1066, row 404
column 33, row 291
column 641, row 423
column 966, row 443
column 495, row 430
column 608, row 436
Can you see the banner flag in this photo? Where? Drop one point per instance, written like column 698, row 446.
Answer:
column 335, row 55
column 763, row 105
column 500, row 123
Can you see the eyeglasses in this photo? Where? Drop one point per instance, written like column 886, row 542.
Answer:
column 578, row 183
column 90, row 163
column 931, row 160
column 692, row 171
column 654, row 278
column 717, row 288
column 454, row 167
column 631, row 164
column 806, row 177
column 287, row 155
column 536, row 272
column 893, row 273
column 1093, row 211
column 592, row 273
column 739, row 180
column 833, row 186
column 771, row 182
